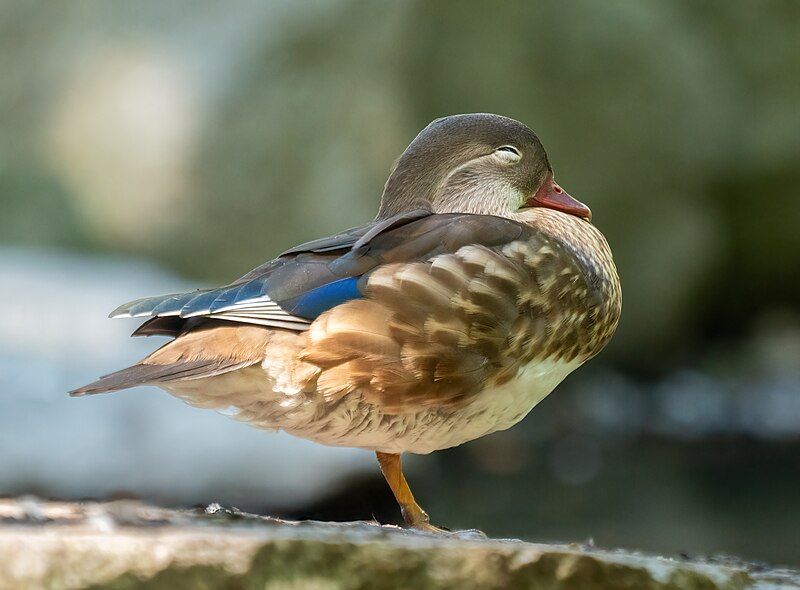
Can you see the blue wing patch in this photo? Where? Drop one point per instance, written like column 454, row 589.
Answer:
column 314, row 302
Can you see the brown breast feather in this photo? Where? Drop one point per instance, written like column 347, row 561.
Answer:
column 437, row 333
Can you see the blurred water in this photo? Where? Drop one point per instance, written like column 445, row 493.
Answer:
column 689, row 404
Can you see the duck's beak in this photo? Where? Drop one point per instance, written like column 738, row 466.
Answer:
column 552, row 196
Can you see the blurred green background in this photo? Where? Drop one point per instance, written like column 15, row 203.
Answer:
column 205, row 137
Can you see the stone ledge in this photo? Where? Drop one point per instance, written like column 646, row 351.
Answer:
column 124, row 545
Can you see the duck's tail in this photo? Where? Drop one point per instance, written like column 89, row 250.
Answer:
column 204, row 352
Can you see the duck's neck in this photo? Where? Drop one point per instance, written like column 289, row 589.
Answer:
column 582, row 239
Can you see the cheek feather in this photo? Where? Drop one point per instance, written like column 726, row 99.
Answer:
column 479, row 194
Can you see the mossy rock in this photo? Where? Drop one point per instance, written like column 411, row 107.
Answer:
column 127, row 545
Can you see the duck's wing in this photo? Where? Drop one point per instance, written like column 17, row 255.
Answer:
column 169, row 314
column 294, row 289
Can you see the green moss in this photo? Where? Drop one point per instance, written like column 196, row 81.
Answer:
column 325, row 565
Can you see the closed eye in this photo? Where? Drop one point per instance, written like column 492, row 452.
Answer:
column 509, row 148
column 507, row 154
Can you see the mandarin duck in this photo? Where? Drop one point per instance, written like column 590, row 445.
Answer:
column 478, row 287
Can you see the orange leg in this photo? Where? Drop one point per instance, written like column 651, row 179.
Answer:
column 414, row 516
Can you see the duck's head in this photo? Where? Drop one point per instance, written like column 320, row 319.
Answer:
column 478, row 163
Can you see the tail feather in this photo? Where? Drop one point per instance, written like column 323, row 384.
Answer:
column 142, row 374
column 205, row 352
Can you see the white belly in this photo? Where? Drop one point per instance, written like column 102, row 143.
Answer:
column 490, row 411
column 352, row 422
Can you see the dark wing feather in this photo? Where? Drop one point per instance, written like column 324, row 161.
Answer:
column 292, row 290
column 253, row 285
column 358, row 235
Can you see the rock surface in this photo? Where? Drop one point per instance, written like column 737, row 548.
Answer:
column 126, row 545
